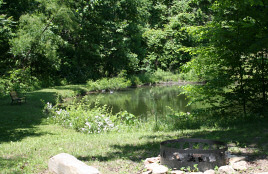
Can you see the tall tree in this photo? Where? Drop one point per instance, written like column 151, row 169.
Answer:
column 233, row 61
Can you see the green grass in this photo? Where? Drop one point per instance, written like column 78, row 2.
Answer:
column 27, row 141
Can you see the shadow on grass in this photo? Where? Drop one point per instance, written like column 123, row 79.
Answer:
column 18, row 121
column 243, row 137
column 12, row 163
column 134, row 153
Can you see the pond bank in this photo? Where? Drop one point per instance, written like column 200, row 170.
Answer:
column 84, row 90
column 163, row 83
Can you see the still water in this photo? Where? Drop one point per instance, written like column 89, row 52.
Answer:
column 144, row 101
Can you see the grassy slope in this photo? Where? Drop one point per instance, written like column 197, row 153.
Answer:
column 26, row 142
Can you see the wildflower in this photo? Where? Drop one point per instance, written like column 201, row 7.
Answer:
column 89, row 126
column 111, row 125
column 59, row 112
column 49, row 106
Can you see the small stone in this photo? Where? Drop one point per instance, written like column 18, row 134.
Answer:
column 158, row 169
column 226, row 170
column 177, row 172
column 153, row 159
column 236, row 159
column 209, row 172
column 146, row 163
column 147, row 172
column 241, row 165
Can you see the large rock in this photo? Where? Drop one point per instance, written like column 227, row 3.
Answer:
column 226, row 170
column 177, row 172
column 209, row 172
column 67, row 164
column 151, row 160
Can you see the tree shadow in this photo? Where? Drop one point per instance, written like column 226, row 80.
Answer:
column 12, row 163
column 131, row 152
column 249, row 142
column 18, row 121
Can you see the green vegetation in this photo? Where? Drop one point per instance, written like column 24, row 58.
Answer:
column 28, row 141
column 70, row 42
column 109, row 84
column 232, row 59
column 113, row 42
column 75, row 47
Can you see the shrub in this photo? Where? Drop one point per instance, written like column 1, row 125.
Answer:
column 165, row 76
column 109, row 84
column 124, row 117
column 152, row 78
column 83, row 118
column 19, row 80
column 141, row 79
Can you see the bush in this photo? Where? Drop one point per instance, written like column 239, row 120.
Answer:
column 152, row 78
column 108, row 84
column 141, row 79
column 83, row 118
column 165, row 76
column 19, row 80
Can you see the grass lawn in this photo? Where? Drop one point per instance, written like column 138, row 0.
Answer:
column 27, row 141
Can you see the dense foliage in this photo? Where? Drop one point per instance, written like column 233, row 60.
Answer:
column 74, row 41
column 223, row 43
column 232, row 58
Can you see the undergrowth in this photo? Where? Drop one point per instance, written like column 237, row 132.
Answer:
column 83, row 117
column 108, row 84
column 124, row 81
column 153, row 78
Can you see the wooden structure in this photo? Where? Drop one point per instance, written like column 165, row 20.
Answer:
column 15, row 98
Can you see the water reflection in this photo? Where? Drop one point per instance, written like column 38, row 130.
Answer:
column 144, row 100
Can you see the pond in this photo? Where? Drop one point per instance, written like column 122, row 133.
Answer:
column 144, row 101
